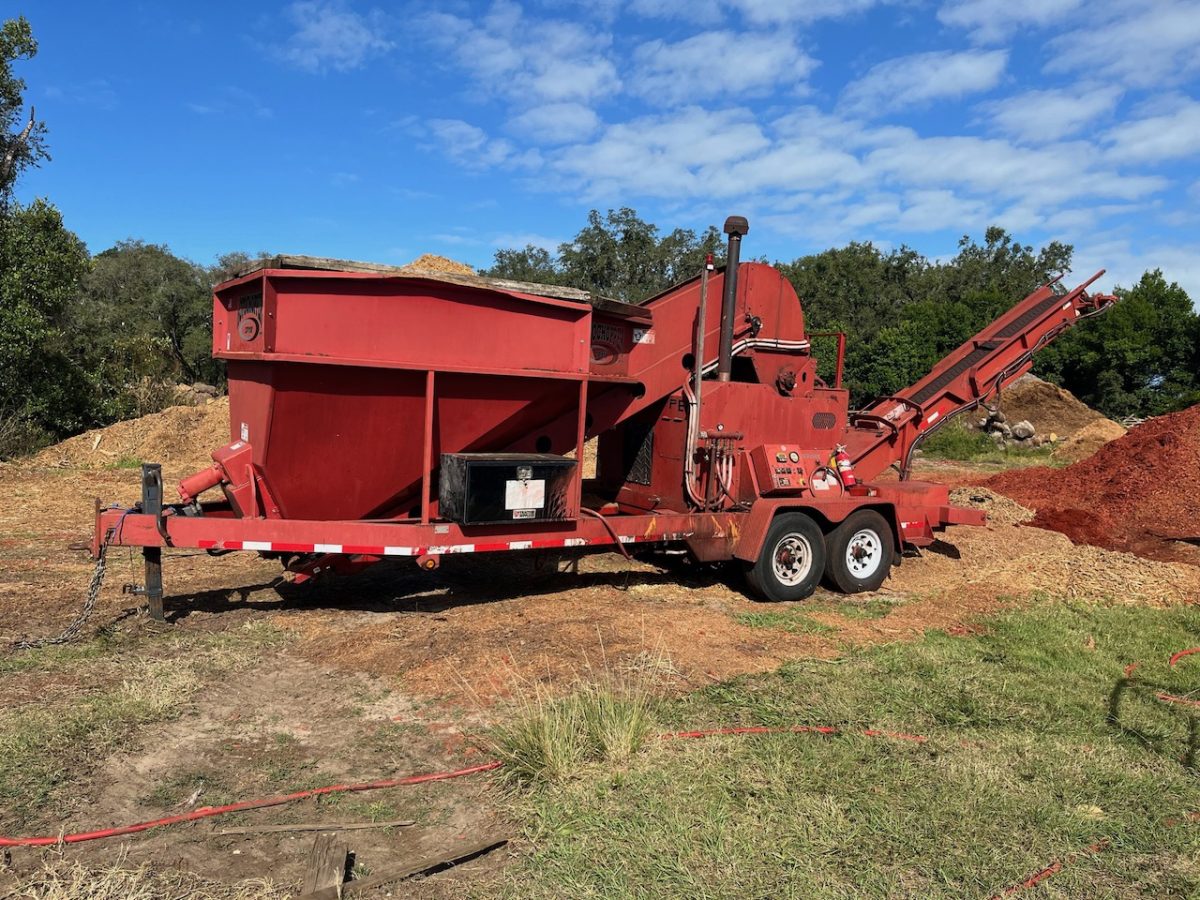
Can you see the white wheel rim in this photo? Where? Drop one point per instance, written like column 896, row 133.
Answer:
column 864, row 553
column 792, row 559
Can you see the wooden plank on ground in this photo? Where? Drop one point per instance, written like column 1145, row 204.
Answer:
column 436, row 861
column 326, row 866
column 315, row 826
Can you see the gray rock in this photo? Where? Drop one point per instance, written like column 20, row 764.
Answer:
column 1023, row 430
column 998, row 416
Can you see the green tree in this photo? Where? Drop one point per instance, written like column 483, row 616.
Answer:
column 151, row 315
column 43, row 393
column 616, row 255
column 533, row 264
column 22, row 138
column 1139, row 358
column 1001, row 268
column 857, row 288
column 228, row 265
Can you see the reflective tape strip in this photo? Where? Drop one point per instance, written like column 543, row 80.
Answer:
column 372, row 550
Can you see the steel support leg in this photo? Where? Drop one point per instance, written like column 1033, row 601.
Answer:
column 152, row 496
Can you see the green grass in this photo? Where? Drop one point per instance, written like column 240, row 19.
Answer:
column 550, row 738
column 785, row 620
column 957, row 442
column 47, row 747
column 1038, row 747
column 854, row 608
column 125, row 462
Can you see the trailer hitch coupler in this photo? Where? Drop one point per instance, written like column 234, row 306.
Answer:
column 735, row 227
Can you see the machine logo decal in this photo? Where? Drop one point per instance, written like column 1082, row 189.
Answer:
column 609, row 341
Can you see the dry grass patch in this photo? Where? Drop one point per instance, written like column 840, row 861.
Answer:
column 62, row 881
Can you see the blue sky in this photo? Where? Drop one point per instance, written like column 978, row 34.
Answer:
column 384, row 131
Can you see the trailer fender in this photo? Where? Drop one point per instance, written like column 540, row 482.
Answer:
column 754, row 527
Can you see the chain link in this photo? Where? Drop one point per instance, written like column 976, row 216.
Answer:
column 89, row 604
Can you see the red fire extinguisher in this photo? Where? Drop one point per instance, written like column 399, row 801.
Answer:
column 845, row 468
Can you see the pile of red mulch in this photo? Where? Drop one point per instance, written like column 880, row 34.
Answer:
column 1139, row 493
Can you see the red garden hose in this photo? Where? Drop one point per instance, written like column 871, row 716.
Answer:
column 243, row 805
column 209, row 811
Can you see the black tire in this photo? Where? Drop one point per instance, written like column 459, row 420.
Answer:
column 792, row 559
column 859, row 552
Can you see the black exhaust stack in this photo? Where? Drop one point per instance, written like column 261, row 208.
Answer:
column 735, row 227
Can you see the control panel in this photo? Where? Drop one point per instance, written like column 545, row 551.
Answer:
column 778, row 469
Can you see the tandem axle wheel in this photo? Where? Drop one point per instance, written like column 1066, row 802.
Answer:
column 855, row 556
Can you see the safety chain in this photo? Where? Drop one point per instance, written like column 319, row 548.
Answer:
column 89, row 604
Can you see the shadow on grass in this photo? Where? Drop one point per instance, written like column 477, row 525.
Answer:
column 1131, row 687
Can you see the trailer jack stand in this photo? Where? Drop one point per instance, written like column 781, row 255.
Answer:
column 152, row 496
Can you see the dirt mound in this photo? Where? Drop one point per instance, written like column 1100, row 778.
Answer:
column 1088, row 439
column 1138, row 493
column 1046, row 406
column 431, row 262
column 180, row 437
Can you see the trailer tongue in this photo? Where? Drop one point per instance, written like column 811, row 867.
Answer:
column 377, row 414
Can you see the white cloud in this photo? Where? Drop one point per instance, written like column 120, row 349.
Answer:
column 471, row 147
column 1125, row 263
column 701, row 11
column 994, row 20
column 527, row 59
column 556, row 123
column 837, row 174
column 231, row 101
column 525, row 239
column 1145, row 43
column 329, row 35
column 95, row 92
column 717, row 62
column 826, row 175
column 898, row 84
column 1170, row 135
column 778, row 11
column 685, row 152
column 1050, row 115
column 933, row 209
column 996, row 168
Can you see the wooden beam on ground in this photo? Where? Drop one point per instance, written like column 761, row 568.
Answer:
column 434, row 862
column 326, row 867
column 315, row 826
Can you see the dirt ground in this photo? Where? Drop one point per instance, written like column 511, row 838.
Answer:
column 395, row 671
